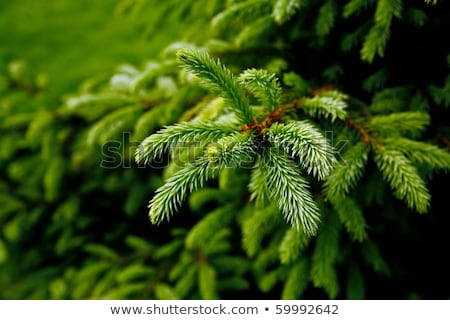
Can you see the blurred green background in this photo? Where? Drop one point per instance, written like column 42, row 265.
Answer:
column 70, row 40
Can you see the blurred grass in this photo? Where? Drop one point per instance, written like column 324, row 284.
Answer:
column 71, row 40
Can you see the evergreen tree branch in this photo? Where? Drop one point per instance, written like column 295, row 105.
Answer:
column 390, row 100
column 293, row 245
column 186, row 132
column 372, row 255
column 355, row 286
column 258, row 185
column 441, row 95
column 206, row 228
column 375, row 42
column 207, row 279
column 351, row 216
column 386, row 10
column 283, row 10
column 92, row 106
column 416, row 16
column 252, row 32
column 300, row 139
column 403, row 178
column 354, row 7
column 323, row 272
column 420, row 152
column 379, row 34
column 346, row 174
column 217, row 77
column 352, row 39
column 235, row 151
column 260, row 223
column 264, row 86
column 289, row 189
column 328, row 104
column 237, row 12
column 169, row 197
column 113, row 124
column 376, row 81
column 326, row 18
column 296, row 281
column 399, row 123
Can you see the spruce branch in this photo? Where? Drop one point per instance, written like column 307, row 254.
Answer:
column 416, row 16
column 235, row 151
column 207, row 279
column 386, row 10
column 327, row 104
column 355, row 286
column 301, row 140
column 372, row 256
column 390, row 100
column 147, row 123
column 258, row 185
column 92, row 106
column 250, row 34
column 206, row 228
column 296, row 281
column 332, row 73
column 169, row 197
column 289, row 189
column 352, row 39
column 375, row 42
column 283, row 10
column 351, row 216
column 323, row 273
column 379, row 34
column 399, row 123
column 441, row 95
column 420, row 152
column 326, row 18
column 218, row 78
column 271, row 148
column 255, row 225
column 258, row 224
column 403, row 178
column 248, row 9
column 293, row 245
column 186, row 132
column 346, row 174
column 354, row 7
column 264, row 86
column 376, row 81
column 113, row 124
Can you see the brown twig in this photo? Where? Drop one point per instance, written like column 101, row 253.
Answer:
column 270, row 118
column 366, row 138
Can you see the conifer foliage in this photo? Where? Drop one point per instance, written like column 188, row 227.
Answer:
column 284, row 148
column 232, row 143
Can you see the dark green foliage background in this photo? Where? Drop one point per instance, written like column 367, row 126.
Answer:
column 71, row 229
